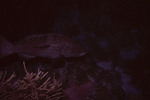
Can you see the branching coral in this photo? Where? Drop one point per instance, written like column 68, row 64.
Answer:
column 33, row 86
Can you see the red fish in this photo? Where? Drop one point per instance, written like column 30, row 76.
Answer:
column 79, row 92
column 42, row 45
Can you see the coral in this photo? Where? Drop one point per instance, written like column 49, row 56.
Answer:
column 33, row 86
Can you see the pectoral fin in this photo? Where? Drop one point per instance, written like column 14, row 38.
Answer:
column 42, row 46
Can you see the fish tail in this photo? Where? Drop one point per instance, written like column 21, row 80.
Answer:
column 6, row 48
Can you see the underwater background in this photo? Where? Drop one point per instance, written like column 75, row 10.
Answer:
column 115, row 34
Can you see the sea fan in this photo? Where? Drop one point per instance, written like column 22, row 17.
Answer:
column 33, row 86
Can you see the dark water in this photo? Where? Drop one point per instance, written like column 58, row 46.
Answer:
column 115, row 32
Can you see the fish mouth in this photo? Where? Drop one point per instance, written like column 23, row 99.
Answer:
column 82, row 54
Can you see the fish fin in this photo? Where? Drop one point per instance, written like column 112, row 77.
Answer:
column 6, row 48
column 84, row 53
column 42, row 47
column 25, row 56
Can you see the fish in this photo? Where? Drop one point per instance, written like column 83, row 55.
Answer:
column 50, row 45
column 79, row 92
